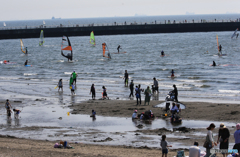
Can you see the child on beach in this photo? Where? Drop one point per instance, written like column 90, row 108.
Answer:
column 7, row 105
column 164, row 146
column 72, row 89
column 16, row 113
column 60, row 85
column 9, row 113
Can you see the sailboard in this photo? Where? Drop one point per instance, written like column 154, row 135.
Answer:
column 92, row 38
column 41, row 39
column 219, row 54
column 66, row 47
column 119, row 52
column 4, row 24
column 44, row 23
column 105, row 48
column 22, row 46
column 235, row 33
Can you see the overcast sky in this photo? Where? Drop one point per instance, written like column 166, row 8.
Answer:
column 45, row 9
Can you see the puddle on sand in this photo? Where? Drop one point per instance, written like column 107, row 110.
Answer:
column 40, row 122
column 163, row 105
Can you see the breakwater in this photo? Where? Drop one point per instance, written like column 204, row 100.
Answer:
column 118, row 29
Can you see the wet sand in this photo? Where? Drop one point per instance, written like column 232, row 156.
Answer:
column 193, row 111
column 35, row 148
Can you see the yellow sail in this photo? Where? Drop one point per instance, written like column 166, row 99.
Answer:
column 22, row 46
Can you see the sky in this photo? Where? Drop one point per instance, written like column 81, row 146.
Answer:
column 45, row 9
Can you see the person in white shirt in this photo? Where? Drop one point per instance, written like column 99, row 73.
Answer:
column 194, row 151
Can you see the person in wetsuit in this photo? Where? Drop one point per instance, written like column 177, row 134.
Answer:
column 118, row 48
column 131, row 88
column 220, row 49
column 162, row 53
column 26, row 50
column 126, row 78
column 175, row 91
column 214, row 64
column 69, row 57
column 26, row 62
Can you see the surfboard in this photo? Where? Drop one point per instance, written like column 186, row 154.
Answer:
column 28, row 65
column 119, row 52
column 222, row 55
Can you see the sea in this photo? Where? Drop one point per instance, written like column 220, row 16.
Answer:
column 188, row 54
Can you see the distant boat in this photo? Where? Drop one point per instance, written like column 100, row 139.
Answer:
column 66, row 46
column 22, row 46
column 92, row 39
column 4, row 24
column 41, row 39
column 44, row 23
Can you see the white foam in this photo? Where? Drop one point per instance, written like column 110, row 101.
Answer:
column 68, row 73
column 230, row 91
column 29, row 74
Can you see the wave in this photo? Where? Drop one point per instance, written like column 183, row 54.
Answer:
column 230, row 91
column 29, row 74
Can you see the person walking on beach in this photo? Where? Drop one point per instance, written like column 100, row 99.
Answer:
column 164, row 146
column 237, row 138
column 175, row 91
column 223, row 137
column 74, row 76
column 72, row 89
column 155, row 83
column 92, row 90
column 126, row 78
column 209, row 139
column 131, row 86
column 147, row 93
column 60, row 85
column 104, row 92
column 7, row 105
column 194, row 151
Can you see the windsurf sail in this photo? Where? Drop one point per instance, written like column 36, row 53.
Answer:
column 66, row 47
column 235, row 33
column 22, row 46
column 4, row 24
column 217, row 42
column 44, row 23
column 92, row 39
column 105, row 48
column 41, row 39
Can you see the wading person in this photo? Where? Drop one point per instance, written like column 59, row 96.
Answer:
column 126, row 78
column 147, row 93
column 131, row 86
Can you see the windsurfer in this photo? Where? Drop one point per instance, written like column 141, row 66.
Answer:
column 119, row 47
column 220, row 49
column 26, row 50
column 162, row 53
column 69, row 57
column 26, row 62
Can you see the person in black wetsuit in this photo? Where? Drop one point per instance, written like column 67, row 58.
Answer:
column 175, row 91
column 92, row 90
column 220, row 49
column 131, row 88
column 118, row 48
column 126, row 78
column 162, row 53
column 26, row 50
column 69, row 57
column 214, row 64
column 26, row 62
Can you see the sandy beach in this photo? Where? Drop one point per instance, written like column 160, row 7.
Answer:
column 12, row 146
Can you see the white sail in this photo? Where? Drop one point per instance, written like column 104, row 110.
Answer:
column 44, row 23
column 4, row 24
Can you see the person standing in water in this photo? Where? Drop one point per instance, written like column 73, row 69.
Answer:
column 60, row 85
column 26, row 50
column 118, row 48
column 147, row 93
column 131, row 89
column 162, row 53
column 126, row 78
column 172, row 73
column 74, row 76
column 220, row 49
column 73, row 89
column 175, row 91
column 26, row 62
column 92, row 90
column 155, row 83
column 7, row 105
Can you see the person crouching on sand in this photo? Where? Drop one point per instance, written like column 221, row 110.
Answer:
column 134, row 115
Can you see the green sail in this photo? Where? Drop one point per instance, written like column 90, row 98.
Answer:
column 92, row 39
column 41, row 39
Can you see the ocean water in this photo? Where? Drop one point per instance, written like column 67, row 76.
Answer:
column 189, row 54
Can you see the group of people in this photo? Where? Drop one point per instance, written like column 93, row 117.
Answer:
column 222, row 140
column 9, row 111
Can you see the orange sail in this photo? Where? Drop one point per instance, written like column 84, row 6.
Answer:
column 217, row 42
column 104, row 49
